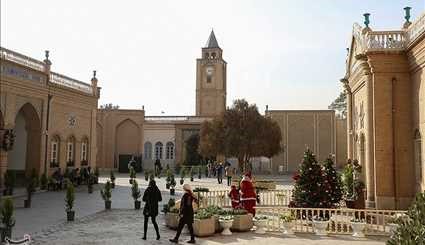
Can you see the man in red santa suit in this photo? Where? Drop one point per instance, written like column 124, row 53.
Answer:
column 248, row 196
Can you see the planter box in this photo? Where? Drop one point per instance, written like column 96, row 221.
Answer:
column 242, row 222
column 204, row 227
column 172, row 220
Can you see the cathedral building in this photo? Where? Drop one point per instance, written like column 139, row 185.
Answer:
column 41, row 129
column 385, row 85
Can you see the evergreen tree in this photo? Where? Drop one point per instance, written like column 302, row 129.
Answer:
column 308, row 191
column 332, row 184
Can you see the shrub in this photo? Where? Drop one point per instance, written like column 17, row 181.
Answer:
column 411, row 230
column 35, row 177
column 352, row 186
column 287, row 217
column 69, row 197
column 106, row 192
column 112, row 176
column 7, row 213
column 203, row 214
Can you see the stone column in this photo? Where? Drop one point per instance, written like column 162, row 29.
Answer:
column 3, row 165
column 370, row 164
column 349, row 117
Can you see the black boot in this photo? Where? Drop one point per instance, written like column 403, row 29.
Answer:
column 174, row 240
column 191, row 240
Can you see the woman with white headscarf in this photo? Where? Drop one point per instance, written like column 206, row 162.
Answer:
column 186, row 214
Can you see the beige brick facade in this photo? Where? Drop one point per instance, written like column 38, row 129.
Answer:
column 383, row 81
column 26, row 85
column 317, row 130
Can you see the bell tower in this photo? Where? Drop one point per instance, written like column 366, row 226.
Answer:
column 211, row 80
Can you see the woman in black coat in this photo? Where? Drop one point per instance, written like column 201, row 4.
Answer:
column 186, row 214
column 151, row 197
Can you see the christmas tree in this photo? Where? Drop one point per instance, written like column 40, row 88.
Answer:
column 331, row 184
column 308, row 191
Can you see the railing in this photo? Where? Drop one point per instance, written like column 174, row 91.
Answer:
column 339, row 219
column 416, row 28
column 21, row 59
column 379, row 40
column 175, row 118
column 71, row 83
column 268, row 198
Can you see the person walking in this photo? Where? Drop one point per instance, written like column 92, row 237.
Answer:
column 229, row 173
column 186, row 214
column 220, row 173
column 151, row 197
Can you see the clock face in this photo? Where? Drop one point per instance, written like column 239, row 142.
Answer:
column 210, row 71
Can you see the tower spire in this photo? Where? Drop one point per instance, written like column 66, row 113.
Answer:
column 212, row 41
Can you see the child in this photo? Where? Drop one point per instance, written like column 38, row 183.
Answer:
column 234, row 196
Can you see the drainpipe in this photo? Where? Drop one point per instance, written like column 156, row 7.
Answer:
column 47, row 65
column 393, row 81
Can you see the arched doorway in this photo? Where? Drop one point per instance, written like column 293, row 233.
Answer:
column 127, row 145
column 25, row 154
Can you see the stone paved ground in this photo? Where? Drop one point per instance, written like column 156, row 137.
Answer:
column 122, row 227
column 45, row 221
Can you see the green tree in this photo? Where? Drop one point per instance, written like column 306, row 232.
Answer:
column 192, row 154
column 332, row 184
column 308, row 190
column 340, row 105
column 241, row 132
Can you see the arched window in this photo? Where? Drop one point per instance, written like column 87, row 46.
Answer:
column 54, row 151
column 213, row 55
column 207, row 55
column 418, row 158
column 158, row 150
column 70, row 151
column 84, row 151
column 169, row 151
column 148, row 150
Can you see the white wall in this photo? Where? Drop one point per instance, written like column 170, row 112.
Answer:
column 159, row 132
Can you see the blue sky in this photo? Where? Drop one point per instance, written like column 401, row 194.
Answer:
column 285, row 54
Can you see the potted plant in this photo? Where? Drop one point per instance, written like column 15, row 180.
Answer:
column 182, row 175
column 146, row 175
column 167, row 207
column 352, row 185
column 200, row 171
column 112, row 179
column 242, row 220
column 9, row 182
column 90, row 182
column 96, row 174
column 43, row 181
column 7, row 218
column 35, row 178
column 216, row 212
column 168, row 179
column 69, row 202
column 136, row 194
column 358, row 226
column 204, row 224
column 260, row 221
column 30, row 188
column 132, row 175
column 191, row 173
column 226, row 223
column 320, row 224
column 393, row 222
column 172, row 217
column 106, row 195
column 287, row 219
column 172, row 185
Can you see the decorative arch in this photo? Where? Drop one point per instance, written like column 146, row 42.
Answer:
column 158, row 150
column 127, row 139
column 148, row 150
column 25, row 154
column 169, row 150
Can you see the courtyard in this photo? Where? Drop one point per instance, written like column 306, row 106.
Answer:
column 46, row 221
